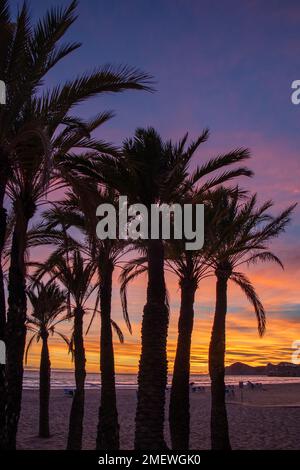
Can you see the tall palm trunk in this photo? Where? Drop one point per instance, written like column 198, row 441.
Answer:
column 2, row 366
column 2, row 338
column 45, row 371
column 219, row 422
column 15, row 333
column 179, row 410
column 3, row 219
column 152, row 376
column 77, row 410
column 108, row 425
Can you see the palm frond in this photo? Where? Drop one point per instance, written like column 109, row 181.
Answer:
column 219, row 162
column 264, row 256
column 118, row 330
column 29, row 344
column 129, row 272
column 244, row 283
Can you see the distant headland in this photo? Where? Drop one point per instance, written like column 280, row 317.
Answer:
column 283, row 369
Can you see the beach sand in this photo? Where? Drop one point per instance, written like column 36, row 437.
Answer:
column 267, row 419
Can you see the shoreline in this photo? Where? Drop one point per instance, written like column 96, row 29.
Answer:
column 62, row 379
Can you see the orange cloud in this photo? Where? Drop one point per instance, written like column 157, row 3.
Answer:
column 278, row 291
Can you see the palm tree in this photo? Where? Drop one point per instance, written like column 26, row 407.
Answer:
column 79, row 210
column 150, row 171
column 104, row 254
column 29, row 52
column 76, row 277
column 26, row 56
column 26, row 188
column 190, row 269
column 239, row 234
column 48, row 302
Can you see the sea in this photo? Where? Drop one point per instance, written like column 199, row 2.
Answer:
column 61, row 379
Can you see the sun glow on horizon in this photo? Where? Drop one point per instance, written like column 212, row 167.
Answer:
column 242, row 341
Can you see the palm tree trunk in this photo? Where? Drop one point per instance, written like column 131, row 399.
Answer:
column 45, row 371
column 15, row 333
column 219, row 422
column 108, row 424
column 152, row 376
column 179, row 410
column 2, row 366
column 77, row 410
column 3, row 219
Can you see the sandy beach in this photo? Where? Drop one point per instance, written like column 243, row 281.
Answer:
column 267, row 419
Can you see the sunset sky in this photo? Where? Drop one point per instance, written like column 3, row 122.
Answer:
column 223, row 65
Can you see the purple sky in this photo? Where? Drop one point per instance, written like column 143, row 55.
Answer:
column 224, row 65
column 227, row 65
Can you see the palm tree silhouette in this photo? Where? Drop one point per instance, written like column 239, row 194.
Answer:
column 33, row 177
column 239, row 235
column 190, row 268
column 150, row 171
column 27, row 55
column 48, row 302
column 79, row 210
column 104, row 254
column 76, row 276
column 23, row 65
column 27, row 176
